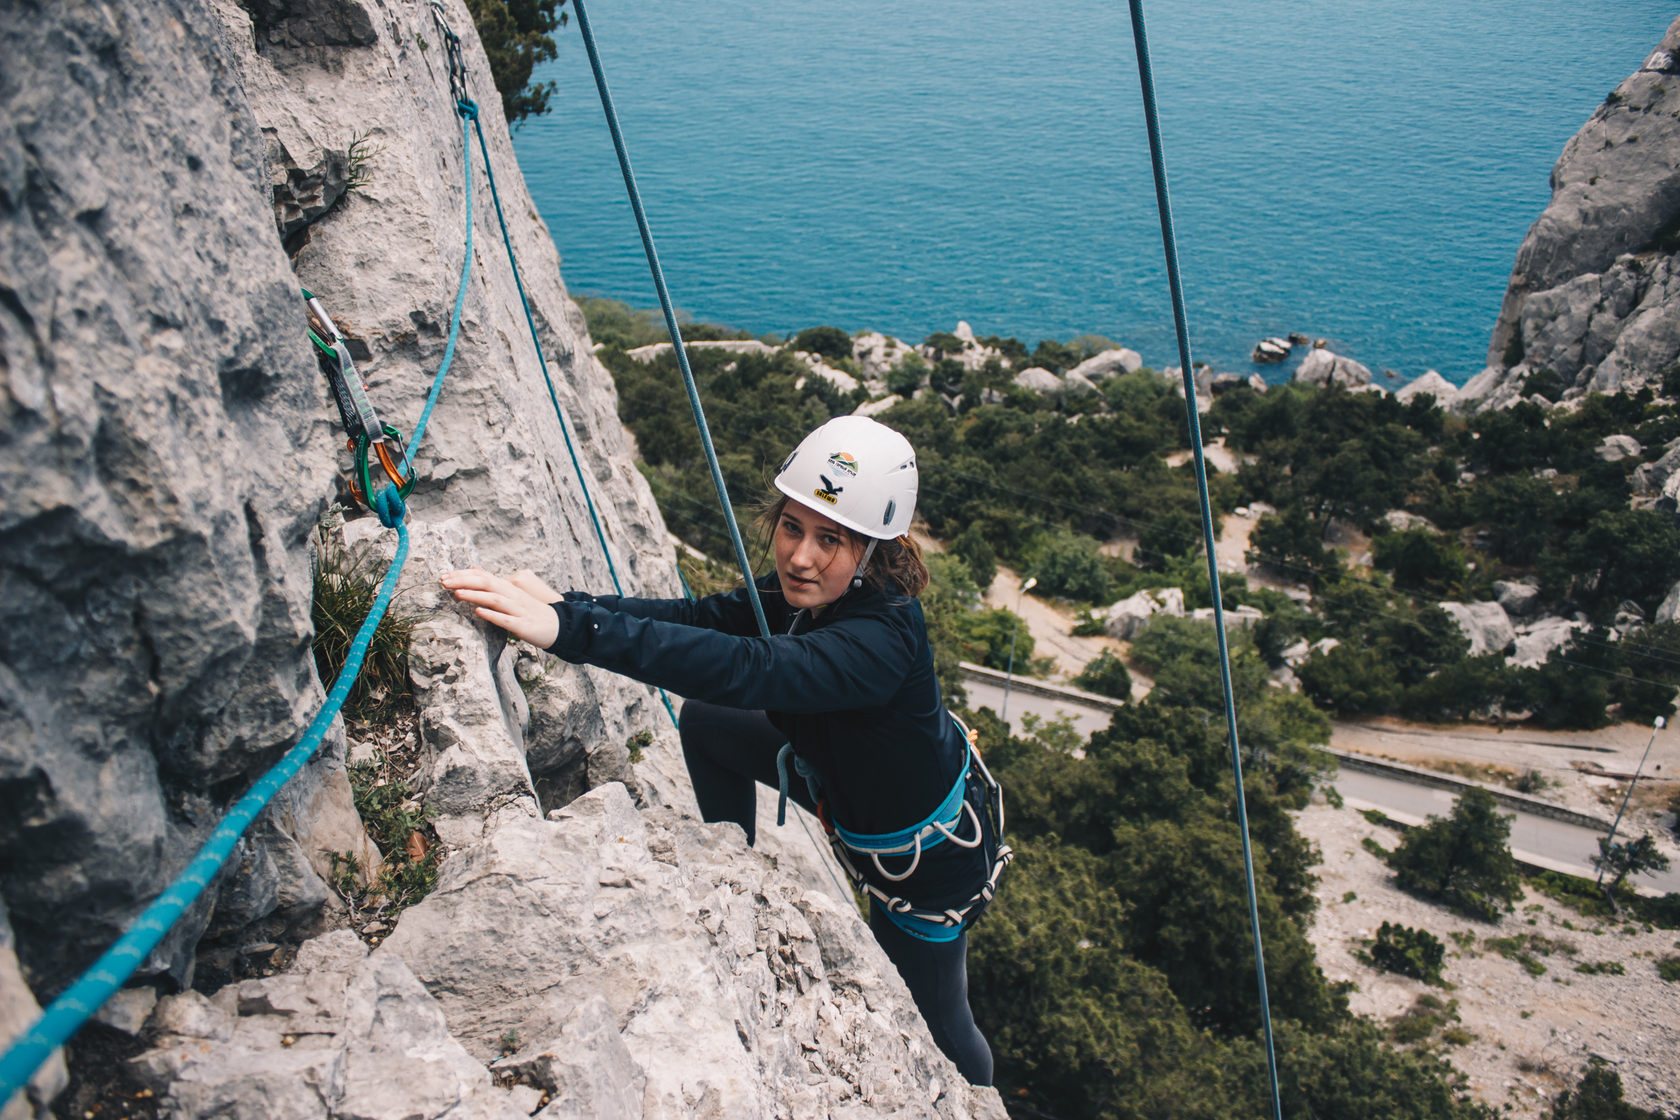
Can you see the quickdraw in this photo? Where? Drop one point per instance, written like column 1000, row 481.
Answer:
column 361, row 423
column 945, row 823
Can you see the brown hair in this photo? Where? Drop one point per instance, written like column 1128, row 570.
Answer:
column 894, row 565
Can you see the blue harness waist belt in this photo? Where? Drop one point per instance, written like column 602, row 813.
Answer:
column 944, row 823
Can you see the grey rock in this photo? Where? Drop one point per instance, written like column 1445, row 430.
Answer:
column 18, row 1012
column 1402, row 520
column 1518, row 597
column 1078, row 384
column 877, row 353
column 1101, row 367
column 1485, row 624
column 1669, row 609
column 587, row 1070
column 1257, row 383
column 875, row 408
column 1038, row 380
column 343, row 1034
column 1432, row 383
column 1269, row 350
column 718, row 985
column 726, row 345
column 1594, row 293
column 128, row 1010
column 1124, row 619
column 1616, row 448
column 1325, row 369
column 1536, row 640
column 1650, row 478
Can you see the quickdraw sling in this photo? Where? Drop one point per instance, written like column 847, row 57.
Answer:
column 361, row 423
column 946, row 823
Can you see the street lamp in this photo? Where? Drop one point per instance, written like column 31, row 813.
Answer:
column 1657, row 726
column 1009, row 674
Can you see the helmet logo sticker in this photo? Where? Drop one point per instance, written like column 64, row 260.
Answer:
column 827, row 491
column 843, row 463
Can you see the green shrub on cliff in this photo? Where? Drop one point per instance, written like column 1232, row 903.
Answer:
column 518, row 34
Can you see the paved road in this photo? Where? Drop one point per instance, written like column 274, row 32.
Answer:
column 1534, row 839
column 985, row 694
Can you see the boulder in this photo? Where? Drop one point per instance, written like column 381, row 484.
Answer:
column 1325, row 369
column 1257, row 383
column 1110, row 362
column 648, row 353
column 1401, row 521
column 1222, row 383
column 876, row 408
column 1296, row 338
column 1269, row 350
column 1434, row 384
column 1669, row 609
column 1075, row 383
column 1650, row 478
column 1518, row 596
column 1616, row 448
column 1038, row 380
column 1536, row 640
column 1485, row 624
column 1240, row 617
column 877, row 353
column 1124, row 619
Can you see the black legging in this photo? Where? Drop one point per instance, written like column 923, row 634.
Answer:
column 729, row 752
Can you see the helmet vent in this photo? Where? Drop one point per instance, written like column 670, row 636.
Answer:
column 891, row 506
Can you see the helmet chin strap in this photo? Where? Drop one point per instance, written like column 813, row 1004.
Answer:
column 868, row 551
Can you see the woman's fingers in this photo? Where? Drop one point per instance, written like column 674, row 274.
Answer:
column 504, row 604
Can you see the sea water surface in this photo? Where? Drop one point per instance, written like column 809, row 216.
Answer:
column 1355, row 170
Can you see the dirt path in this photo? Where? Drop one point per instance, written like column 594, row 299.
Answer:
column 1049, row 626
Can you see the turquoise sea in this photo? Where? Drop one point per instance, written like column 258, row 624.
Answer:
column 1356, row 170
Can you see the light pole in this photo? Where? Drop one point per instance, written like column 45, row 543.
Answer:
column 1009, row 674
column 1657, row 726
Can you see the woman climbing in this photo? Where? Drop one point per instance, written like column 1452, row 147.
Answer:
column 846, row 686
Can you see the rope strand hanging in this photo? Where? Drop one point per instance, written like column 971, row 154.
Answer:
column 1169, row 246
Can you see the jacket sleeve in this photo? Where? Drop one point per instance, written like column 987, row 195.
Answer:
column 851, row 663
column 730, row 612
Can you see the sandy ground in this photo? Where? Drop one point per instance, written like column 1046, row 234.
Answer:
column 1048, row 624
column 1530, row 1034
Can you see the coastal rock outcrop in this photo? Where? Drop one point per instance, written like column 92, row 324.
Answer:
column 1434, row 384
column 1594, row 296
column 1100, row 367
column 1486, row 625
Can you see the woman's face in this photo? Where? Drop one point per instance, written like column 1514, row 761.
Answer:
column 816, row 557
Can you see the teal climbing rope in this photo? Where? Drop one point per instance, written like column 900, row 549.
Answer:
column 66, row 1014
column 1169, row 246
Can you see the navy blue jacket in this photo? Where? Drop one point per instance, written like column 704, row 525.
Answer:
column 853, row 688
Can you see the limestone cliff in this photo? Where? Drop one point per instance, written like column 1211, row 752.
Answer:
column 1594, row 296
column 171, row 172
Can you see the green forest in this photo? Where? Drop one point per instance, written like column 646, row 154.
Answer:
column 1115, row 974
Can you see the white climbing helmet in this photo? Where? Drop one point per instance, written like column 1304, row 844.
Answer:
column 859, row 472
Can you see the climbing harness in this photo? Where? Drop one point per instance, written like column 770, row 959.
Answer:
column 946, row 823
column 361, row 423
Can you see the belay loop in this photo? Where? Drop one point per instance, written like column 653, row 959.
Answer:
column 945, row 823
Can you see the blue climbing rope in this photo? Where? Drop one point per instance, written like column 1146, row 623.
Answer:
column 670, row 313
column 1169, row 246
column 66, row 1014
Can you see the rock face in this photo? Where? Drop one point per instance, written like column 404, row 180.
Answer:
column 621, row 964
column 170, row 447
column 1594, row 296
column 1124, row 619
column 1099, row 367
